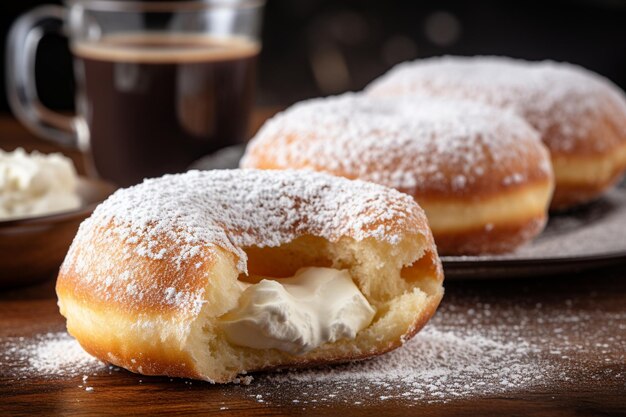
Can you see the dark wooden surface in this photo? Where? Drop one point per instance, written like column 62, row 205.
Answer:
column 595, row 381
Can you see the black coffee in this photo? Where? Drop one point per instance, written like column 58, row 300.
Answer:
column 154, row 104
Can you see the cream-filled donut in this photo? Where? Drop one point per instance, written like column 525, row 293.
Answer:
column 580, row 115
column 482, row 175
column 214, row 274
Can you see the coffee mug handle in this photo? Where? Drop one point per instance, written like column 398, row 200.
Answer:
column 24, row 37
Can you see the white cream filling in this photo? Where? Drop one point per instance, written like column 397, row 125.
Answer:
column 36, row 184
column 298, row 314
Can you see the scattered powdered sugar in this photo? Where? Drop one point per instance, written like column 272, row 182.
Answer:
column 436, row 365
column 471, row 348
column 477, row 345
column 412, row 144
column 433, row 359
column 47, row 355
column 562, row 101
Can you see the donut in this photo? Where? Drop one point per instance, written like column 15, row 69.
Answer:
column 481, row 175
column 214, row 274
column 580, row 115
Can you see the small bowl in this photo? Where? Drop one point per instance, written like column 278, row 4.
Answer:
column 32, row 248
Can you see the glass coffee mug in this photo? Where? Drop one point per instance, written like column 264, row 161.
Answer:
column 159, row 84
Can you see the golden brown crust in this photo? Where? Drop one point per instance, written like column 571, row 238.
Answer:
column 597, row 131
column 101, row 325
column 567, row 196
column 138, row 298
column 581, row 116
column 137, row 254
column 500, row 238
column 100, row 273
column 598, row 138
column 486, row 186
column 488, row 225
column 148, row 359
column 494, row 235
column 583, row 178
column 136, row 356
column 511, row 191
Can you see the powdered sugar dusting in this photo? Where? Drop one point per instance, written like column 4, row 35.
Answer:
column 238, row 208
column 562, row 101
column 49, row 355
column 469, row 349
column 198, row 212
column 435, row 355
column 414, row 145
column 477, row 345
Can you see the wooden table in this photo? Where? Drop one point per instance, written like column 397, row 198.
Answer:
column 583, row 310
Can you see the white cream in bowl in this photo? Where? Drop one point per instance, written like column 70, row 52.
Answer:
column 36, row 184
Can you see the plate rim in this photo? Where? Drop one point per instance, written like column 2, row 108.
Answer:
column 605, row 256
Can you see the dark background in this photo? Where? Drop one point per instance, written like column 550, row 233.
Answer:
column 321, row 47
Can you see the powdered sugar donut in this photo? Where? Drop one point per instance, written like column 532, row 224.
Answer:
column 214, row 274
column 481, row 174
column 580, row 115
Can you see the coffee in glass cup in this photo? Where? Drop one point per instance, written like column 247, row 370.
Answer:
column 159, row 84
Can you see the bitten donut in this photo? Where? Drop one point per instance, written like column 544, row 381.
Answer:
column 213, row 274
column 481, row 175
column 580, row 115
